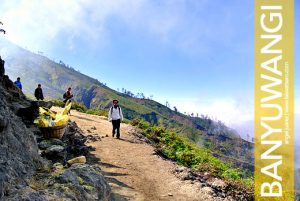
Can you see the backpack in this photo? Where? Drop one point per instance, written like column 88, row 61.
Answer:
column 65, row 95
column 111, row 110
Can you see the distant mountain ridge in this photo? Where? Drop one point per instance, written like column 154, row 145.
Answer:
column 57, row 77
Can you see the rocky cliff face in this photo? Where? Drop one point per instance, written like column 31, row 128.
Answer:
column 19, row 157
column 24, row 173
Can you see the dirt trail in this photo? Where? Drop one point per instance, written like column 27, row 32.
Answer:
column 130, row 166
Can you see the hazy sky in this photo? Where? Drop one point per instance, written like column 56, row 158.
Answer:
column 196, row 54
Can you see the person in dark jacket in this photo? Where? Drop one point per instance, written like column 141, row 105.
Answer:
column 38, row 93
column 68, row 95
column 18, row 83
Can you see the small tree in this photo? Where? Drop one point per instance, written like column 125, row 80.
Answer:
column 175, row 109
column 2, row 30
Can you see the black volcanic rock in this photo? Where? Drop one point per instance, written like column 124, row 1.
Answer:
column 24, row 174
column 19, row 157
column 94, row 188
column 2, row 70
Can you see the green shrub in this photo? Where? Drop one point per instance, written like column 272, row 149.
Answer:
column 126, row 121
column 75, row 105
column 79, row 107
column 208, row 144
column 135, row 122
column 58, row 103
column 189, row 154
column 97, row 112
column 231, row 174
column 158, row 130
column 144, row 125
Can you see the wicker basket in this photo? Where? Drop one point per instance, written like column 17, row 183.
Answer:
column 53, row 132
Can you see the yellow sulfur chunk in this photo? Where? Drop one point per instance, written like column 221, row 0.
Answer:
column 43, row 122
column 42, row 111
column 61, row 120
column 67, row 109
column 46, row 111
column 48, row 118
column 36, row 121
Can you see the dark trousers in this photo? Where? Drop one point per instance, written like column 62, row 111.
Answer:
column 116, row 125
column 65, row 101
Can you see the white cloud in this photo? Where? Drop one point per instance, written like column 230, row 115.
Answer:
column 297, row 105
column 232, row 111
column 235, row 112
column 37, row 23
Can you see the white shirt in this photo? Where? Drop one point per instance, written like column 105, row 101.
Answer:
column 115, row 114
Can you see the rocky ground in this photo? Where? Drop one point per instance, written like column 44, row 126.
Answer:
column 73, row 173
column 69, row 173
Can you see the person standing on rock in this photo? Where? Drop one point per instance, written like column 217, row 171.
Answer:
column 18, row 83
column 38, row 93
column 68, row 95
column 2, row 71
column 115, row 116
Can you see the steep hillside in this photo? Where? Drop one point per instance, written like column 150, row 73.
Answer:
column 31, row 166
column 56, row 78
column 19, row 157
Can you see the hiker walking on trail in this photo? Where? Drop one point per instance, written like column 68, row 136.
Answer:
column 18, row 83
column 68, row 95
column 115, row 116
column 38, row 93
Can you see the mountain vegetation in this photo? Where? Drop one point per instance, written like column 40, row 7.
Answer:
column 180, row 149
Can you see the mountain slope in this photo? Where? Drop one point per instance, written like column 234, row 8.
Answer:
column 57, row 77
column 19, row 158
